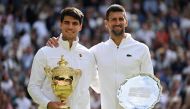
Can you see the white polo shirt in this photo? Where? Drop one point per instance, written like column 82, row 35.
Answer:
column 115, row 64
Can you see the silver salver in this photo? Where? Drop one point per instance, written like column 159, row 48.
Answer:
column 141, row 91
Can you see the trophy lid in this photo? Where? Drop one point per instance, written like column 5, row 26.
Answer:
column 62, row 69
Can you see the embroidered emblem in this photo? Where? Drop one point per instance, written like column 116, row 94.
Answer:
column 80, row 55
column 128, row 55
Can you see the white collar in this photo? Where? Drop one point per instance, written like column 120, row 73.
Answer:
column 65, row 43
column 123, row 42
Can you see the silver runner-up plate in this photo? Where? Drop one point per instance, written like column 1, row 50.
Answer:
column 140, row 91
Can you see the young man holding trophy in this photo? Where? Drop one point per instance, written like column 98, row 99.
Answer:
column 124, row 66
column 60, row 77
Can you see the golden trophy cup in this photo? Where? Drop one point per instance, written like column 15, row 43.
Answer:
column 63, row 80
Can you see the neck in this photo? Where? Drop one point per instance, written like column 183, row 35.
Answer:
column 117, row 39
column 70, row 43
column 69, row 40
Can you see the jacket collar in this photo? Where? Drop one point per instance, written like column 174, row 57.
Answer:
column 65, row 43
column 124, row 41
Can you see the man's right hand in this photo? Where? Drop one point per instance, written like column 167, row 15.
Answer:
column 54, row 105
column 52, row 42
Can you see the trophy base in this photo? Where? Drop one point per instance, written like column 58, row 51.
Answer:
column 64, row 107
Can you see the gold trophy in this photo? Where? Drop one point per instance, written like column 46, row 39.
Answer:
column 63, row 80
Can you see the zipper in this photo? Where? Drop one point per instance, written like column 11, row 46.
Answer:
column 116, row 74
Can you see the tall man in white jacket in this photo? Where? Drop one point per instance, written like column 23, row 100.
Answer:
column 118, row 58
column 77, row 56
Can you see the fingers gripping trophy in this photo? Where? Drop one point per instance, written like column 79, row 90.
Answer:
column 63, row 80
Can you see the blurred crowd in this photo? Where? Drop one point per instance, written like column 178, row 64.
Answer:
column 163, row 25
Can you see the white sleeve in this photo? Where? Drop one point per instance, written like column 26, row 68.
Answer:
column 37, row 78
column 95, row 83
column 146, row 64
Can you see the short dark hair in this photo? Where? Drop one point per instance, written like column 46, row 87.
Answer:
column 115, row 8
column 73, row 12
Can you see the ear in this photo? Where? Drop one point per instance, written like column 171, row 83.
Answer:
column 80, row 27
column 126, row 23
column 60, row 24
column 106, row 23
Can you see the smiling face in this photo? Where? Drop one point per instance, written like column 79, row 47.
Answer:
column 70, row 27
column 116, row 23
column 71, row 23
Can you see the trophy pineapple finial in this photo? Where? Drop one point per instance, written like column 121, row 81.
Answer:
column 62, row 62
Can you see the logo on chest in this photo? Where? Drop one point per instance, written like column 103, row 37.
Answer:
column 128, row 55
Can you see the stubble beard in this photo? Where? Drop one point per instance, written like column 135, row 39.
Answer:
column 117, row 33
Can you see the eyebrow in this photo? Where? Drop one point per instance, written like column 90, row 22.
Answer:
column 75, row 21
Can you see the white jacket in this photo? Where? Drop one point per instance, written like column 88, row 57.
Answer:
column 78, row 57
column 115, row 64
